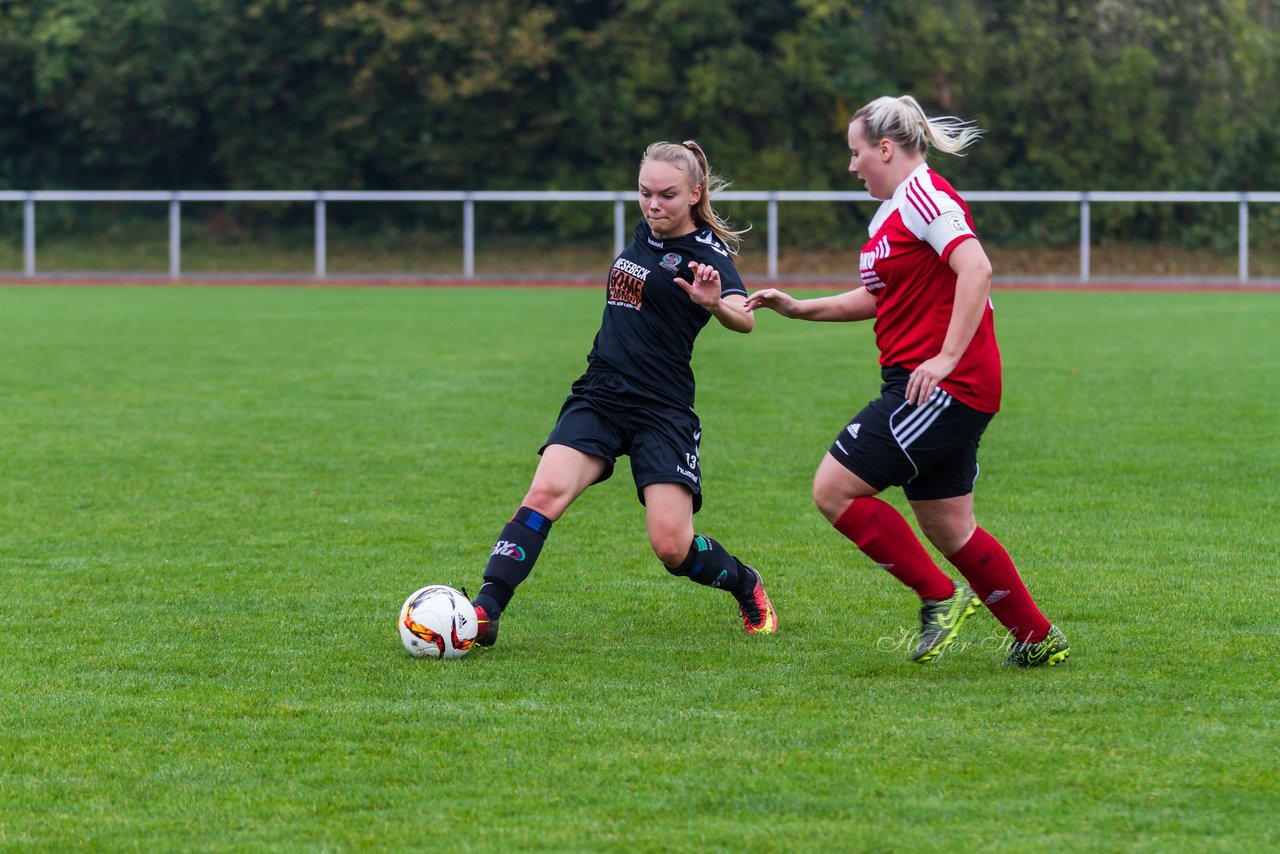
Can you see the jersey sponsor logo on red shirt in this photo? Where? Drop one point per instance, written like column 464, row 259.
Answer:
column 867, row 263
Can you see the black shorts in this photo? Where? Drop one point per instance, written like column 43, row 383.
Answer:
column 931, row 450
column 604, row 419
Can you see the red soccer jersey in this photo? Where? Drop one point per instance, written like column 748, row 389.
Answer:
column 904, row 266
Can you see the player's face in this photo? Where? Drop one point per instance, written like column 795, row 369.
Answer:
column 867, row 161
column 667, row 197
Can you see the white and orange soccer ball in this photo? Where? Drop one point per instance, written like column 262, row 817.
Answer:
column 437, row 622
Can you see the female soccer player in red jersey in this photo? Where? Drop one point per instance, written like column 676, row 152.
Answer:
column 926, row 281
column 636, row 397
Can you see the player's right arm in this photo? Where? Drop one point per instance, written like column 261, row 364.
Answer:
column 857, row 304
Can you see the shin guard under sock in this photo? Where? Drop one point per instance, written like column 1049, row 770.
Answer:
column 512, row 560
column 881, row 533
column 708, row 563
column 995, row 580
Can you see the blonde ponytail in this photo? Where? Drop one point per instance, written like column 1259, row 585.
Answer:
column 903, row 121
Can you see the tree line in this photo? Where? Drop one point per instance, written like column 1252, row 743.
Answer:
column 565, row 94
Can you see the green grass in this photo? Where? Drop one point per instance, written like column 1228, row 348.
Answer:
column 215, row 499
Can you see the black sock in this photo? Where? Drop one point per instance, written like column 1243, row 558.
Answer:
column 708, row 563
column 512, row 559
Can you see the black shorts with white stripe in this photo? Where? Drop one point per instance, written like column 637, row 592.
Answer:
column 930, row 450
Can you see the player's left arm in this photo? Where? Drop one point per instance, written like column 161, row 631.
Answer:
column 705, row 291
column 973, row 290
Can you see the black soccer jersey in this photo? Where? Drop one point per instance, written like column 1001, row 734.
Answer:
column 650, row 323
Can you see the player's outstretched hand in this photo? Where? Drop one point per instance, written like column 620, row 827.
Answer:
column 784, row 304
column 705, row 287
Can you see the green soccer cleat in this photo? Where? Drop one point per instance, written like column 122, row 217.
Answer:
column 1052, row 650
column 940, row 621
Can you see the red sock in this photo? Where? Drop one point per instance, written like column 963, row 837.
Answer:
column 990, row 572
column 885, row 537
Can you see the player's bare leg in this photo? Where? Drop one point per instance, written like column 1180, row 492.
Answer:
column 563, row 474
column 669, row 518
column 882, row 534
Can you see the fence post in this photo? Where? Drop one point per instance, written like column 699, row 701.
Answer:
column 1244, row 237
column 29, row 235
column 469, row 236
column 321, row 237
column 1084, row 237
column 175, row 238
column 773, row 236
column 619, row 225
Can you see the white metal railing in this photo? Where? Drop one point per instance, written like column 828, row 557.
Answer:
column 620, row 201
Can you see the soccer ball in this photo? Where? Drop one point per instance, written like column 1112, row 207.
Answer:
column 437, row 622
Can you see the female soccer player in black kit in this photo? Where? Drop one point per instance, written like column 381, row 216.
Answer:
column 926, row 281
column 636, row 397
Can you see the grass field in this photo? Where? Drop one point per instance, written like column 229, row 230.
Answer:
column 215, row 499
